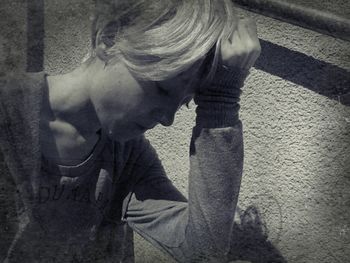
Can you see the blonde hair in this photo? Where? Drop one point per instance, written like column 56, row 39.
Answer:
column 158, row 39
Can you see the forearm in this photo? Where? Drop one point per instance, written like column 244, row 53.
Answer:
column 216, row 165
column 214, row 183
column 199, row 229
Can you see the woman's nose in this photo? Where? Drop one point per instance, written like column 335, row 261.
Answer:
column 165, row 112
column 167, row 118
column 164, row 115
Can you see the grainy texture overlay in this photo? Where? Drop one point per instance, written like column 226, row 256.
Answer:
column 297, row 134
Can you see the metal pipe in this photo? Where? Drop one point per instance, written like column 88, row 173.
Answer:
column 317, row 20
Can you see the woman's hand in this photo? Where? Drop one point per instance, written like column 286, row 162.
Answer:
column 218, row 103
column 242, row 48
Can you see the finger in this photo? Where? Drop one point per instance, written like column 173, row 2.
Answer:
column 232, row 37
column 243, row 32
column 250, row 24
column 253, row 56
column 252, row 31
column 226, row 46
column 251, row 60
column 248, row 32
column 234, row 52
column 246, row 42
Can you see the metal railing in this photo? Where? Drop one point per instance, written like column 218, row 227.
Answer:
column 316, row 20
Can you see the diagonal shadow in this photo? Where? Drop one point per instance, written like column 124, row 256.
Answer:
column 319, row 76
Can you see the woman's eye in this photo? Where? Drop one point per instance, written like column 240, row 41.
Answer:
column 161, row 90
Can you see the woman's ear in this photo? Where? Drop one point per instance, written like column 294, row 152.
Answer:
column 102, row 52
column 105, row 39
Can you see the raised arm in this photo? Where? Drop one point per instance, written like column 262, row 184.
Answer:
column 200, row 229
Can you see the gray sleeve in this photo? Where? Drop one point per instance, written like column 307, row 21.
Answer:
column 200, row 228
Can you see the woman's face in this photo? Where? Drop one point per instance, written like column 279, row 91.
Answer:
column 127, row 107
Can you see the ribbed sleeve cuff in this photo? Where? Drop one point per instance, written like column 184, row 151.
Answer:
column 218, row 104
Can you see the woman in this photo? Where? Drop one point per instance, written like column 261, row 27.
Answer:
column 74, row 143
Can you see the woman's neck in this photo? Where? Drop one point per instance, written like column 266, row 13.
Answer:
column 69, row 100
column 69, row 123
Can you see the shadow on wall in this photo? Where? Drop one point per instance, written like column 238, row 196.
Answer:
column 250, row 240
column 319, row 76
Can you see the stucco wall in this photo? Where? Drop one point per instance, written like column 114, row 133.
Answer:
column 297, row 142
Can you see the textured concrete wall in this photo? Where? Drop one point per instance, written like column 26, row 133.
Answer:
column 297, row 142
